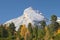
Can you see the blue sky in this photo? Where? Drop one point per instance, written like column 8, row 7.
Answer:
column 10, row 9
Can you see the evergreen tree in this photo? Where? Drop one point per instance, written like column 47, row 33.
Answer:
column 42, row 32
column 1, row 31
column 53, row 18
column 36, row 32
column 5, row 33
column 43, row 24
column 12, row 31
column 30, row 30
column 12, row 26
column 10, row 34
column 54, row 25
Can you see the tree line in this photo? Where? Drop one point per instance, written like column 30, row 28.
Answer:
column 49, row 31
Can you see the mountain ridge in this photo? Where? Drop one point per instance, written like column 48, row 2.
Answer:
column 29, row 16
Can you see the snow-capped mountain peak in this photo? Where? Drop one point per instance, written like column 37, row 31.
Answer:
column 29, row 16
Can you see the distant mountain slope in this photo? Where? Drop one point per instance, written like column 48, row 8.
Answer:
column 58, row 20
column 29, row 16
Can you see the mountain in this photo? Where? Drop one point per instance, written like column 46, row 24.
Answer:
column 29, row 16
column 58, row 20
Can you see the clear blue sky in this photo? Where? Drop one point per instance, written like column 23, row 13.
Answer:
column 10, row 9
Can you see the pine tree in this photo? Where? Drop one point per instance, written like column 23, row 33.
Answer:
column 12, row 30
column 30, row 30
column 43, row 24
column 53, row 26
column 12, row 26
column 36, row 32
column 1, row 32
column 53, row 18
column 42, row 31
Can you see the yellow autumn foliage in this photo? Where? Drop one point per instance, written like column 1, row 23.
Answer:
column 58, row 31
column 27, row 34
column 23, row 30
column 47, row 33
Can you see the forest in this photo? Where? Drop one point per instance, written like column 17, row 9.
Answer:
column 49, row 31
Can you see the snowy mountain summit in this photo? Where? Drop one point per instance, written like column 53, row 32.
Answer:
column 29, row 16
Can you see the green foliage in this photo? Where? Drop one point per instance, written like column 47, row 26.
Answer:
column 53, row 18
column 22, row 38
column 3, row 32
column 41, row 34
column 51, row 32
column 54, row 25
column 43, row 24
column 30, row 30
column 57, row 37
column 12, row 26
column 34, row 33
column 1, row 29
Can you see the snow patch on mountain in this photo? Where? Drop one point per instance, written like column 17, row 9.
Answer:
column 58, row 18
